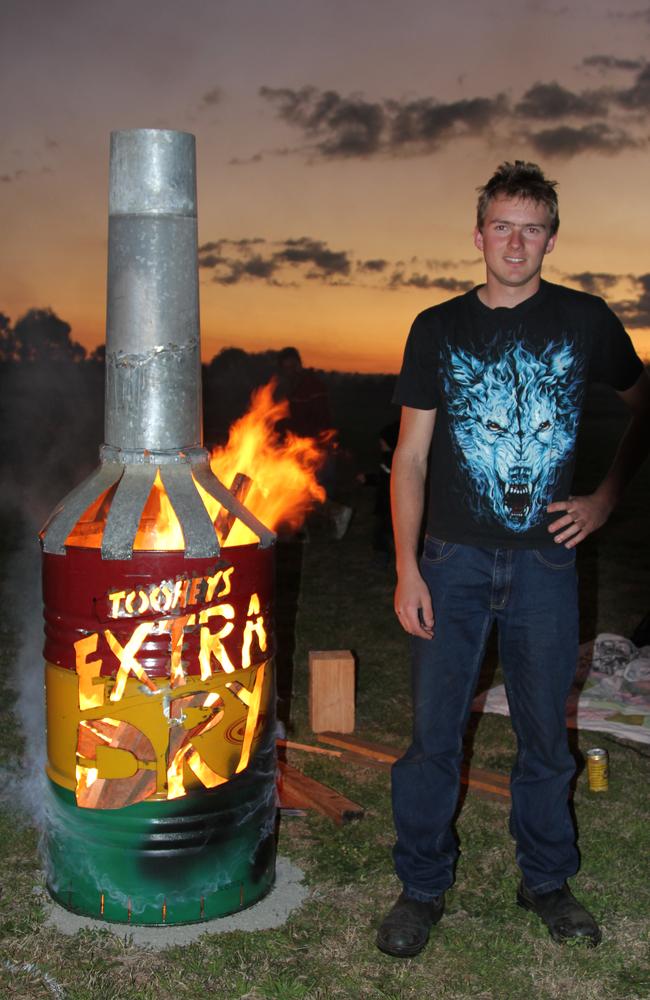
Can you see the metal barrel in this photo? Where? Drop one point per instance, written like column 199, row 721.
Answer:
column 161, row 733
column 153, row 364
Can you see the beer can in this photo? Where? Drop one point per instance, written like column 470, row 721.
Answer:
column 598, row 769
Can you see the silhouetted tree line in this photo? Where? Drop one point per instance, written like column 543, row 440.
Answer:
column 40, row 335
column 51, row 409
column 52, row 403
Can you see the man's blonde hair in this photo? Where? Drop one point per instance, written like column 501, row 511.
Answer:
column 519, row 180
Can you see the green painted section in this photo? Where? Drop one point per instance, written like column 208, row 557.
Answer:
column 202, row 856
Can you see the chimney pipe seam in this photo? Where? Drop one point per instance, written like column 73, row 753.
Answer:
column 125, row 359
column 153, row 213
column 135, row 456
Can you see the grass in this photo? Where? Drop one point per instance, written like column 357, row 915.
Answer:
column 485, row 948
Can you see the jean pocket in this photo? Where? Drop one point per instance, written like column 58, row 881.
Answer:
column 556, row 556
column 437, row 551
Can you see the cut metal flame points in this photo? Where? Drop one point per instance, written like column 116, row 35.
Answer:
column 176, row 507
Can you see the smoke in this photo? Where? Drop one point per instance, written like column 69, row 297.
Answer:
column 25, row 784
column 50, row 430
column 33, row 970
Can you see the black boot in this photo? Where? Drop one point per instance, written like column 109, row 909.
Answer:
column 564, row 916
column 404, row 930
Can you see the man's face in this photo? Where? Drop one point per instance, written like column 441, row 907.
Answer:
column 514, row 239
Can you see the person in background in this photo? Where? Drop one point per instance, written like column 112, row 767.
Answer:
column 382, row 535
column 309, row 416
column 492, row 388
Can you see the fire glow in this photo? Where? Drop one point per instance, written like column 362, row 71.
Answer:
column 153, row 730
column 126, row 755
column 274, row 474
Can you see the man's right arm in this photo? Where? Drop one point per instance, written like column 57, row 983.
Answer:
column 408, row 478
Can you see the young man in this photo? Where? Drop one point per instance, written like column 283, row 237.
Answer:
column 491, row 389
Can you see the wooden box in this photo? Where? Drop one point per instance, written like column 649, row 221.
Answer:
column 331, row 690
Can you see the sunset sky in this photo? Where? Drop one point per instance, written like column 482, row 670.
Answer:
column 339, row 148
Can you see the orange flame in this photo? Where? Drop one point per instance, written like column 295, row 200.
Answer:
column 283, row 488
column 159, row 526
column 282, row 469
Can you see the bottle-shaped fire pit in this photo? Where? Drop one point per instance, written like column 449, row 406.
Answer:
column 159, row 636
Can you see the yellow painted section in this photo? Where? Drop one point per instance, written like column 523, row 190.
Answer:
column 113, row 753
column 253, row 713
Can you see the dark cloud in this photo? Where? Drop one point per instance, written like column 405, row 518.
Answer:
column 603, row 63
column 566, row 141
column 239, row 161
column 325, row 261
column 15, row 175
column 233, row 270
column 216, row 246
column 341, row 126
column 594, row 282
column 632, row 15
column 237, row 260
column 211, row 98
column 637, row 97
column 417, row 280
column 376, row 265
column 552, row 101
column 333, row 125
column 425, row 123
column 211, row 260
column 352, row 126
column 213, row 245
column 455, row 265
column 287, row 263
column 635, row 312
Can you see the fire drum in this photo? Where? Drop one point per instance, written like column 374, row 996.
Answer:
column 158, row 635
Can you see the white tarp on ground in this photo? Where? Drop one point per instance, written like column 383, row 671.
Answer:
column 611, row 693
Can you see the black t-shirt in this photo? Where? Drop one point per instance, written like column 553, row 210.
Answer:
column 508, row 386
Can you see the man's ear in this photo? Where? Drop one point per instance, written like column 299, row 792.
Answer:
column 551, row 243
column 478, row 239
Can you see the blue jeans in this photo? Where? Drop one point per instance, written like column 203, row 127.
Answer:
column 532, row 595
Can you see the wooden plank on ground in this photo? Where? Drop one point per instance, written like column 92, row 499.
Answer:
column 298, row 791
column 489, row 784
column 307, row 748
column 376, row 751
column 491, row 777
column 331, row 690
column 343, row 755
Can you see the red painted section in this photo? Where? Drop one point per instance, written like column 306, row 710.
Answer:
column 77, row 589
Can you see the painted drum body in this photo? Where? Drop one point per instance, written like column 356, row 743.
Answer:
column 161, row 733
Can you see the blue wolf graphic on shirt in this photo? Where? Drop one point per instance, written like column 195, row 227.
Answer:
column 513, row 417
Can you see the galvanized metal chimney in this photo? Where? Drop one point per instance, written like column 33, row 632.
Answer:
column 153, row 354
column 152, row 340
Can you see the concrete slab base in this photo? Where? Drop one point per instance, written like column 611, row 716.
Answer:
column 287, row 895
